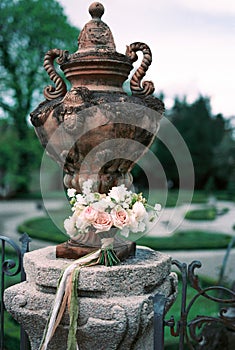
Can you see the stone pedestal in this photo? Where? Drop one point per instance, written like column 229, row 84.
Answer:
column 115, row 311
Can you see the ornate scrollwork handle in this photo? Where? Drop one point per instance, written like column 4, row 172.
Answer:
column 147, row 87
column 60, row 89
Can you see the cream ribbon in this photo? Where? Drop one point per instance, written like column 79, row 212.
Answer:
column 49, row 331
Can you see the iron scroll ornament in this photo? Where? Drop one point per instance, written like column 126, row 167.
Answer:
column 10, row 267
column 147, row 87
column 9, row 264
column 60, row 89
column 193, row 330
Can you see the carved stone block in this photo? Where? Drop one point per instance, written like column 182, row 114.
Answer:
column 115, row 311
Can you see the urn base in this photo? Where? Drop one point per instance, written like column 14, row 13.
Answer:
column 71, row 250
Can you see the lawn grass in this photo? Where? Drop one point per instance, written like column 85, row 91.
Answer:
column 12, row 333
column 187, row 240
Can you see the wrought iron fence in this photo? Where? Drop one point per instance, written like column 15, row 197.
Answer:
column 192, row 331
column 200, row 332
column 12, row 267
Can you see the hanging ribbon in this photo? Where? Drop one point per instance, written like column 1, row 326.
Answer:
column 67, row 293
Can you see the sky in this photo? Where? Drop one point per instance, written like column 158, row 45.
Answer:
column 192, row 43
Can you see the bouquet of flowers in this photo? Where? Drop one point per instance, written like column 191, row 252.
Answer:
column 120, row 209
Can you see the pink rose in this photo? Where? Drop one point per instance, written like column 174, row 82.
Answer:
column 120, row 217
column 103, row 222
column 90, row 214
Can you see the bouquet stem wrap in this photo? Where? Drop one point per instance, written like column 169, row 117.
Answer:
column 108, row 256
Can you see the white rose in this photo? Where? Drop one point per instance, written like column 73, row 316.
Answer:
column 71, row 192
column 103, row 204
column 119, row 193
column 69, row 225
column 136, row 224
column 81, row 222
column 133, row 222
column 139, row 210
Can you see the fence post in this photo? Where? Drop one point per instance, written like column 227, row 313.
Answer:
column 2, row 291
column 6, row 269
column 25, row 240
column 159, row 303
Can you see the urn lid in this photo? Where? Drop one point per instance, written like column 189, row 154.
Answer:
column 96, row 40
column 96, row 35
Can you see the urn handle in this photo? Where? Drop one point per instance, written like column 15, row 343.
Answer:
column 60, row 89
column 147, row 87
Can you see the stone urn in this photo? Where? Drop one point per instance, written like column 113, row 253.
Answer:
column 96, row 130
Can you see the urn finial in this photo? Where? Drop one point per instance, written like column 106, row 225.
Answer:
column 96, row 10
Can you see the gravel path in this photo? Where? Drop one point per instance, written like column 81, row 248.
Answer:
column 173, row 218
column 13, row 213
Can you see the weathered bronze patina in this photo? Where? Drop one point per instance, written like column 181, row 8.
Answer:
column 76, row 126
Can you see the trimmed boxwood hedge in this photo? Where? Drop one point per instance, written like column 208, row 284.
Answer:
column 201, row 214
column 43, row 228
column 205, row 214
column 187, row 240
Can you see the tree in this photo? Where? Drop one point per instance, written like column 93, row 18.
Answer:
column 28, row 29
column 202, row 133
column 8, row 158
column 10, row 149
column 224, row 160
